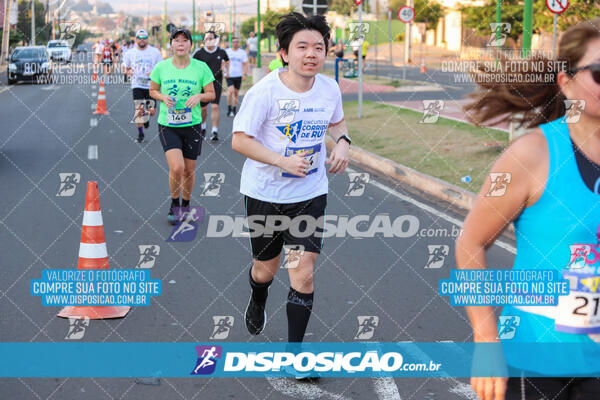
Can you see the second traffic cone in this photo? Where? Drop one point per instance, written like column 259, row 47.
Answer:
column 101, row 105
column 93, row 255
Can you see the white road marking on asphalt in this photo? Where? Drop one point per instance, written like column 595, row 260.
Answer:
column 51, row 87
column 386, row 389
column 431, row 210
column 302, row 390
column 94, row 106
column 94, row 94
column 93, row 122
column 92, row 152
column 3, row 89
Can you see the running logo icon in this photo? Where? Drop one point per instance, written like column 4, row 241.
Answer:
column 358, row 184
column 77, row 327
column 574, row 110
column 68, row 183
column 366, row 326
column 293, row 254
column 500, row 32
column 212, row 184
column 187, row 225
column 148, row 254
column 207, row 359
column 358, row 30
column 216, row 27
column 287, row 111
column 499, row 183
column 291, row 131
column 142, row 115
column 507, row 326
column 223, row 324
column 431, row 111
column 437, row 255
column 68, row 31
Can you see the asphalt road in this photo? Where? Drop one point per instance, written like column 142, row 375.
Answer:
column 49, row 129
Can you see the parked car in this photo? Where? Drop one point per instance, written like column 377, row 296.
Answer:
column 81, row 49
column 29, row 63
column 59, row 50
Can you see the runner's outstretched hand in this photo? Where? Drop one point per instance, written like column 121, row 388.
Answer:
column 339, row 157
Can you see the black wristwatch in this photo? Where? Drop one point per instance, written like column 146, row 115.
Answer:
column 346, row 138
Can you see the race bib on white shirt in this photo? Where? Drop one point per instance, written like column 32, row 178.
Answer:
column 312, row 157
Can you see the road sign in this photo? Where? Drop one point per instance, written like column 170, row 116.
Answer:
column 557, row 6
column 309, row 6
column 406, row 14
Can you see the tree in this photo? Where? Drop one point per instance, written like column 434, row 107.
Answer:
column 346, row 7
column 24, row 22
column 427, row 11
column 512, row 12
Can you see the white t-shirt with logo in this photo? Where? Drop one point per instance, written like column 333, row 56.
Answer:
column 236, row 58
column 142, row 62
column 252, row 43
column 288, row 122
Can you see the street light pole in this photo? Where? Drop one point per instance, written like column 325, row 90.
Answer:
column 6, row 30
column 258, row 33
column 32, row 23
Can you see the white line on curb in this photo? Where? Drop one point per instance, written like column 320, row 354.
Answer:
column 431, row 210
column 92, row 152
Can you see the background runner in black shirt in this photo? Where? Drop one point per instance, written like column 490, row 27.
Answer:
column 217, row 60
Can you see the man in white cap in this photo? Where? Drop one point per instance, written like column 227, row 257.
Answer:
column 139, row 62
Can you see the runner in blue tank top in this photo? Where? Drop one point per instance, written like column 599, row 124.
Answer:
column 553, row 200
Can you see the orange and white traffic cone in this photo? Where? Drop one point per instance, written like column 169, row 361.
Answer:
column 93, row 255
column 101, row 105
column 423, row 68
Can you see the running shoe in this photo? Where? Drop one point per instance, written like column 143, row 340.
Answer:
column 256, row 316
column 140, row 138
column 230, row 114
column 203, row 133
column 215, row 137
column 172, row 217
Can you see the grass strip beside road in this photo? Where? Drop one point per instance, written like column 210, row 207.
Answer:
column 447, row 149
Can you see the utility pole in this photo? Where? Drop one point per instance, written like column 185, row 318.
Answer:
column 6, row 30
column 527, row 30
column 193, row 21
column 32, row 41
column 164, row 28
column 258, row 33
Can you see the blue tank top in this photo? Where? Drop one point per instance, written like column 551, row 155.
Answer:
column 567, row 213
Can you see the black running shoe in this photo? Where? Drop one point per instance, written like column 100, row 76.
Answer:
column 171, row 217
column 215, row 137
column 256, row 316
column 140, row 138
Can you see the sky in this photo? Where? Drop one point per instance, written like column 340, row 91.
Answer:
column 155, row 7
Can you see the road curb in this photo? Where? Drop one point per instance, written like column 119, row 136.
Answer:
column 401, row 173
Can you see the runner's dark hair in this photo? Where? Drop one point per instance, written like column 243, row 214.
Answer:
column 538, row 102
column 294, row 22
column 213, row 32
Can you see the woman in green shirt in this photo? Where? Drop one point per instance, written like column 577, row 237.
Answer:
column 177, row 82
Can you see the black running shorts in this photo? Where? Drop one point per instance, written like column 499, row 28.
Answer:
column 188, row 139
column 218, row 85
column 141, row 94
column 235, row 82
column 305, row 228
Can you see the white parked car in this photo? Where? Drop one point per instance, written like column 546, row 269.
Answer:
column 59, row 50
